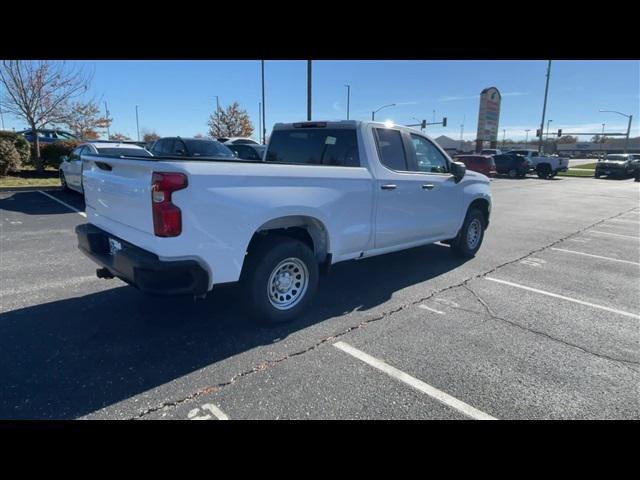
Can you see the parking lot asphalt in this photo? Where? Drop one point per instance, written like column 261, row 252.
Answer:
column 544, row 323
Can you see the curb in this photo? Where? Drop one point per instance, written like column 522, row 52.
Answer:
column 28, row 188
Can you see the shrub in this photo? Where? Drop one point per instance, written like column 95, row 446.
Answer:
column 9, row 156
column 52, row 153
column 21, row 144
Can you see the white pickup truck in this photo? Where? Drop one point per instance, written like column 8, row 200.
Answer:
column 545, row 167
column 326, row 192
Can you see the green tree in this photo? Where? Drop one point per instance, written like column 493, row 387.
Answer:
column 230, row 122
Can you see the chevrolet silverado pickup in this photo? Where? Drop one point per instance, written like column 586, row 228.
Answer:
column 326, row 192
column 544, row 167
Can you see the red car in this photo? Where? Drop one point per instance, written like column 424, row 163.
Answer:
column 483, row 164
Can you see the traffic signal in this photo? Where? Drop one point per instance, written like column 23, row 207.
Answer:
column 559, row 132
column 444, row 122
column 538, row 133
column 423, row 125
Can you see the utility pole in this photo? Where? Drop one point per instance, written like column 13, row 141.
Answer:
column 137, row 124
column 348, row 95
column 526, row 140
column 106, row 112
column 309, row 90
column 264, row 125
column 259, row 122
column 602, row 139
column 504, row 134
column 544, row 108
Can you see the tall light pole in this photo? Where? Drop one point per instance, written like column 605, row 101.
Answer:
column 264, row 125
column 348, row 95
column 548, row 122
column 259, row 121
column 526, row 140
column 504, row 134
column 373, row 114
column 462, row 133
column 106, row 112
column 308, row 90
column 630, row 117
column 602, row 138
column 544, row 107
column 137, row 124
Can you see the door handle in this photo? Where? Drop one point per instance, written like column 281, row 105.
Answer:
column 428, row 186
column 388, row 186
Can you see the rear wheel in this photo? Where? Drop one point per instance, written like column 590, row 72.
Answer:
column 543, row 170
column 280, row 277
column 513, row 173
column 470, row 237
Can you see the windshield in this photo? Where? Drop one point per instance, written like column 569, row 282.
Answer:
column 617, row 158
column 129, row 152
column 208, row 148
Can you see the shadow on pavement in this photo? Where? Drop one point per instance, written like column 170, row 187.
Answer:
column 68, row 358
column 35, row 203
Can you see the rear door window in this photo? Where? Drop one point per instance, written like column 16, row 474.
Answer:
column 314, row 146
column 391, row 149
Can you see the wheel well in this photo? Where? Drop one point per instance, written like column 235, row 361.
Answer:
column 483, row 206
column 308, row 230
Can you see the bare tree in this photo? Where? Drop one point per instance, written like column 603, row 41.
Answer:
column 39, row 92
column 119, row 136
column 149, row 136
column 231, row 122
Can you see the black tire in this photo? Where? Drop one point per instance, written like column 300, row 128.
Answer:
column 261, row 263
column 513, row 173
column 543, row 170
column 63, row 181
column 597, row 175
column 460, row 245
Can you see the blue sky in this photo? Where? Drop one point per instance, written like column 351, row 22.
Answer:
column 176, row 97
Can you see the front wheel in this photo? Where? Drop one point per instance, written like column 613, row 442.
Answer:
column 280, row 279
column 513, row 173
column 63, row 181
column 543, row 170
column 470, row 237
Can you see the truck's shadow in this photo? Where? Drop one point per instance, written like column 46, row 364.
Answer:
column 34, row 203
column 68, row 358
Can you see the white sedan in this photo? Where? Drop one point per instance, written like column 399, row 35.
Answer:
column 71, row 166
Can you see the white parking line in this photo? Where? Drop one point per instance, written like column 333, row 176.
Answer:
column 433, row 392
column 594, row 256
column 626, row 314
column 424, row 307
column 613, row 234
column 63, row 203
column 219, row 414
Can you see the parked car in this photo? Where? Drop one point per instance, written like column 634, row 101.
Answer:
column 543, row 166
column 327, row 192
column 483, row 164
column 513, row 165
column 248, row 151
column 619, row 164
column 194, row 148
column 238, row 141
column 48, row 135
column 72, row 165
column 491, row 151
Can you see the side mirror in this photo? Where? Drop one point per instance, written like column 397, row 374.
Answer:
column 458, row 169
column 64, row 158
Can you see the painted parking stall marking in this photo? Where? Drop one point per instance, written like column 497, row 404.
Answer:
column 424, row 307
column 595, row 256
column 419, row 385
column 555, row 295
column 63, row 203
column 614, row 234
column 200, row 413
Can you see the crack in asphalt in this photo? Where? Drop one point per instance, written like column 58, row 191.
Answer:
column 269, row 363
column 493, row 316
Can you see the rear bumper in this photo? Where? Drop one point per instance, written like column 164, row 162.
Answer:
column 140, row 268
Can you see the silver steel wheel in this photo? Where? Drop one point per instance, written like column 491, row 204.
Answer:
column 473, row 233
column 287, row 283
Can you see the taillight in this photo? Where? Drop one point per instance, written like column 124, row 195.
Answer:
column 167, row 218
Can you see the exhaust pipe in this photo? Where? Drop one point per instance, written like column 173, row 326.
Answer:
column 104, row 273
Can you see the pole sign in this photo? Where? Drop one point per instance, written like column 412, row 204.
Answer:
column 489, row 115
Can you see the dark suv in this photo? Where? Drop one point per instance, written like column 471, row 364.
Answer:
column 624, row 164
column 194, row 148
column 511, row 164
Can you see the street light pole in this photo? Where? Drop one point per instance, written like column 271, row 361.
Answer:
column 602, row 139
column 526, row 140
column 348, row 95
column 264, row 125
column 137, row 124
column 504, row 134
column 373, row 114
column 630, row 117
column 106, row 111
column 544, row 107
column 309, row 90
column 259, row 121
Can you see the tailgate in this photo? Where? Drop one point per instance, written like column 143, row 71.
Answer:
column 119, row 189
